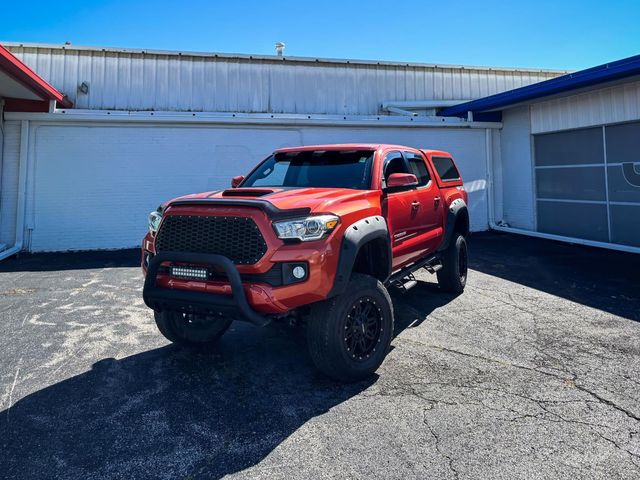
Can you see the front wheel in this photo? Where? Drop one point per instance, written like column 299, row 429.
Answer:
column 452, row 277
column 191, row 330
column 349, row 335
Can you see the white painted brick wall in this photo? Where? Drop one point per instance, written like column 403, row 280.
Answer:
column 517, row 171
column 94, row 184
column 9, row 182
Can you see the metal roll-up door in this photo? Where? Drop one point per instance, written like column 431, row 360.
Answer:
column 588, row 183
column 623, row 175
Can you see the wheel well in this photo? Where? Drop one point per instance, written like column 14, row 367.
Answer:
column 373, row 259
column 462, row 223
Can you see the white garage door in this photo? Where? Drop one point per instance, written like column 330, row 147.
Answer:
column 94, row 185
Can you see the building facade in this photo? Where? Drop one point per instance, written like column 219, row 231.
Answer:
column 569, row 167
column 148, row 126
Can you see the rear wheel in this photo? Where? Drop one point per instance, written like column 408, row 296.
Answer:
column 452, row 277
column 191, row 330
column 349, row 335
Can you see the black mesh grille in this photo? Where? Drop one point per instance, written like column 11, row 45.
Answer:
column 237, row 238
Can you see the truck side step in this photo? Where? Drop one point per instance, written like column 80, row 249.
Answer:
column 431, row 264
column 406, row 283
column 409, row 284
column 433, row 268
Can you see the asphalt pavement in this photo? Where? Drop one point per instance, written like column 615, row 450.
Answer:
column 533, row 372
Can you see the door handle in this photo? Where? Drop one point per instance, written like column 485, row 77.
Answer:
column 436, row 201
column 415, row 204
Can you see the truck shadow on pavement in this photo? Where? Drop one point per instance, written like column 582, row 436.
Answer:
column 168, row 413
column 414, row 307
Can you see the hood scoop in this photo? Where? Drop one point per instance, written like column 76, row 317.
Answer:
column 247, row 192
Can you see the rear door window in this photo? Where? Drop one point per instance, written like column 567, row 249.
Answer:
column 446, row 169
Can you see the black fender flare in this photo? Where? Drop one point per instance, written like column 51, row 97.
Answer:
column 457, row 208
column 355, row 236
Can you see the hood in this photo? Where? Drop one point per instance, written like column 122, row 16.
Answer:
column 318, row 200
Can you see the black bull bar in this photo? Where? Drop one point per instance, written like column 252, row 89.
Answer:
column 189, row 301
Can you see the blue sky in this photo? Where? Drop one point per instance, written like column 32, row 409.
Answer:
column 546, row 34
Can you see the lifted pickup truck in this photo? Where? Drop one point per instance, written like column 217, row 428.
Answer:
column 314, row 235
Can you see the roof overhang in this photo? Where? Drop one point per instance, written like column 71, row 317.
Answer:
column 595, row 77
column 24, row 89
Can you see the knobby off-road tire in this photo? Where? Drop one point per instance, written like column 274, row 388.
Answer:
column 190, row 331
column 349, row 335
column 452, row 277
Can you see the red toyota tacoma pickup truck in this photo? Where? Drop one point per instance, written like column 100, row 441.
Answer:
column 314, row 235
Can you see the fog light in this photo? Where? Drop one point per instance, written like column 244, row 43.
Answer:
column 299, row 272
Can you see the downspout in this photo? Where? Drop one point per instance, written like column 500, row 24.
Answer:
column 22, row 192
column 2, row 133
column 488, row 141
column 406, row 107
column 548, row 236
column 422, row 103
column 400, row 111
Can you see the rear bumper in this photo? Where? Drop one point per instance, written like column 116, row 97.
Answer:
column 236, row 304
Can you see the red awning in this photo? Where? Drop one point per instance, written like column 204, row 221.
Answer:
column 23, row 89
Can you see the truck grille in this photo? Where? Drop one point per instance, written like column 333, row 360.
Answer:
column 237, row 238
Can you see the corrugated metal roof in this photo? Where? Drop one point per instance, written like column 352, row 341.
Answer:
column 123, row 79
column 275, row 58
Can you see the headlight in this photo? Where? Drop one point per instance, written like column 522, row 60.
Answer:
column 154, row 220
column 306, row 229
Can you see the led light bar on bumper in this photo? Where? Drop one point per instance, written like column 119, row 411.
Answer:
column 282, row 273
column 306, row 229
column 194, row 273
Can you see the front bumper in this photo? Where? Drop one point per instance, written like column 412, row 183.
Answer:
column 264, row 296
column 236, row 304
column 267, row 300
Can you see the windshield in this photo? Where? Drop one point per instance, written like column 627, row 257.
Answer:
column 314, row 168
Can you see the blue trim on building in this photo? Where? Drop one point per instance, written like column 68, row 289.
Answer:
column 495, row 116
column 608, row 72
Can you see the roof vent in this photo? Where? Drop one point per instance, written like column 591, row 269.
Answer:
column 280, row 48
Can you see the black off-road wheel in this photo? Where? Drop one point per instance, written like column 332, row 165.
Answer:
column 349, row 335
column 190, row 330
column 452, row 277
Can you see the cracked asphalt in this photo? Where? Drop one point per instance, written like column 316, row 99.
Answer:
column 533, row 372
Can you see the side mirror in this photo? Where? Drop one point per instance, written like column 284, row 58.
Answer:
column 235, row 181
column 396, row 180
